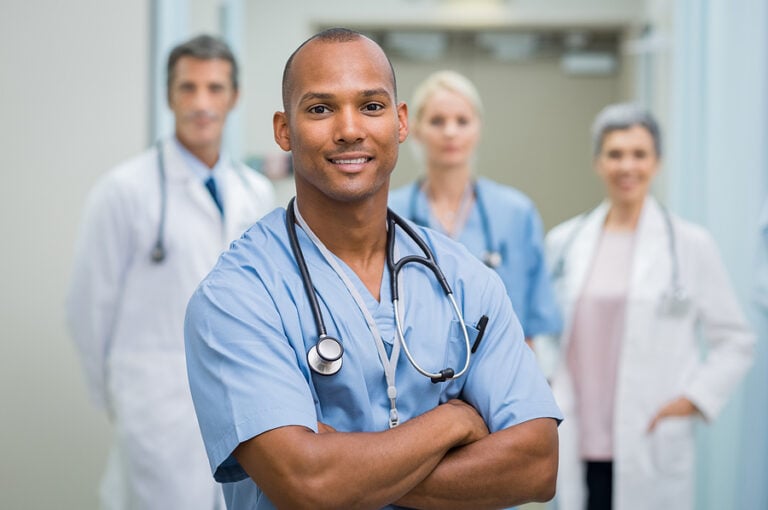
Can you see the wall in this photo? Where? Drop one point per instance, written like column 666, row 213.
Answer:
column 528, row 140
column 719, row 114
column 74, row 102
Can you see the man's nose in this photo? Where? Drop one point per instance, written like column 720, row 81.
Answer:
column 201, row 98
column 349, row 126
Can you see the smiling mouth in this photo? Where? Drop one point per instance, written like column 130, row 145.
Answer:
column 351, row 161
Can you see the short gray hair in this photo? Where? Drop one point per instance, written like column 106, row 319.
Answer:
column 624, row 116
column 203, row 47
column 445, row 80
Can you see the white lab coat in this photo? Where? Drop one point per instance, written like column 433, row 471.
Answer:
column 126, row 315
column 660, row 358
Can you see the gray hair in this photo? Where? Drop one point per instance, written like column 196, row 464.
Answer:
column 445, row 80
column 623, row 116
column 203, row 47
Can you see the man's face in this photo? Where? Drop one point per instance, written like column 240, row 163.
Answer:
column 201, row 95
column 343, row 124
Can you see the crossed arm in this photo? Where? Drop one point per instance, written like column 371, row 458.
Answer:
column 444, row 458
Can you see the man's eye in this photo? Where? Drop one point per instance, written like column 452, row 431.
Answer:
column 318, row 109
column 373, row 107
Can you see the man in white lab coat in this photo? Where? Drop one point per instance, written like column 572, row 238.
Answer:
column 152, row 229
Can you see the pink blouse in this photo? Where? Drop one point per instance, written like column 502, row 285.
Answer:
column 595, row 343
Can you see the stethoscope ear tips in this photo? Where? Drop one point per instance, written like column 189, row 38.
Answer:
column 325, row 356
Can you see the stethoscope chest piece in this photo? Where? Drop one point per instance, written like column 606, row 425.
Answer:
column 674, row 302
column 158, row 253
column 325, row 356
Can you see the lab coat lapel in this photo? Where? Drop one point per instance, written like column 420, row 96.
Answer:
column 582, row 250
column 240, row 199
column 179, row 174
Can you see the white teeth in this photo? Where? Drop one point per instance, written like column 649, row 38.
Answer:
column 356, row 161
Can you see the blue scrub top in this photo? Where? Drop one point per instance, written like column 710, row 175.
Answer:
column 515, row 231
column 249, row 326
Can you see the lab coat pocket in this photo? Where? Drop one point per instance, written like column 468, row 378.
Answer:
column 672, row 445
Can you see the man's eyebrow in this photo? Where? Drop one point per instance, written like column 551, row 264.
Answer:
column 313, row 96
column 376, row 92
column 325, row 96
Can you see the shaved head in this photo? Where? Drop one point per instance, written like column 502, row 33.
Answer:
column 330, row 36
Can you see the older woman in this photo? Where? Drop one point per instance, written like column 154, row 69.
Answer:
column 636, row 285
column 498, row 224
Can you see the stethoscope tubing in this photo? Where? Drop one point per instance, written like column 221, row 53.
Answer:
column 158, row 253
column 675, row 287
column 492, row 257
column 158, row 250
column 428, row 260
column 305, row 276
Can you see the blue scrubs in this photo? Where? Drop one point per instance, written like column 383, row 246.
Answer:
column 249, row 326
column 514, row 230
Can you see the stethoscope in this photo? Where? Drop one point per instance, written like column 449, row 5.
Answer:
column 674, row 300
column 158, row 252
column 325, row 357
column 492, row 256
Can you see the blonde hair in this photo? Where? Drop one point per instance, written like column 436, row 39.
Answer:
column 445, row 80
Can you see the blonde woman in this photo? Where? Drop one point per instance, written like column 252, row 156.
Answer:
column 498, row 224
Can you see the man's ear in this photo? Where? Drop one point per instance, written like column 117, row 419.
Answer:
column 235, row 99
column 402, row 117
column 281, row 130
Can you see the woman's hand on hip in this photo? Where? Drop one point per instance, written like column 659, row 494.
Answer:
column 679, row 407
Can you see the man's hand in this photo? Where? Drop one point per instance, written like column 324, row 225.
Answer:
column 476, row 427
column 298, row 468
column 678, row 407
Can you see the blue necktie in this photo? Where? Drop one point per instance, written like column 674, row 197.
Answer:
column 211, row 185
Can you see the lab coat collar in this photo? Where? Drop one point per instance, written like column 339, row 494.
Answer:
column 579, row 255
column 646, row 252
column 181, row 165
column 196, row 166
column 178, row 171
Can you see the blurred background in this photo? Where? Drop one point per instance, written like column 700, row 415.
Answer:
column 82, row 88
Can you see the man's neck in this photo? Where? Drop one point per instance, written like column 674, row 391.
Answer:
column 208, row 154
column 354, row 232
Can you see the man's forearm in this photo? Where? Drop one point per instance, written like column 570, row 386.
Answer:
column 507, row 468
column 299, row 469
